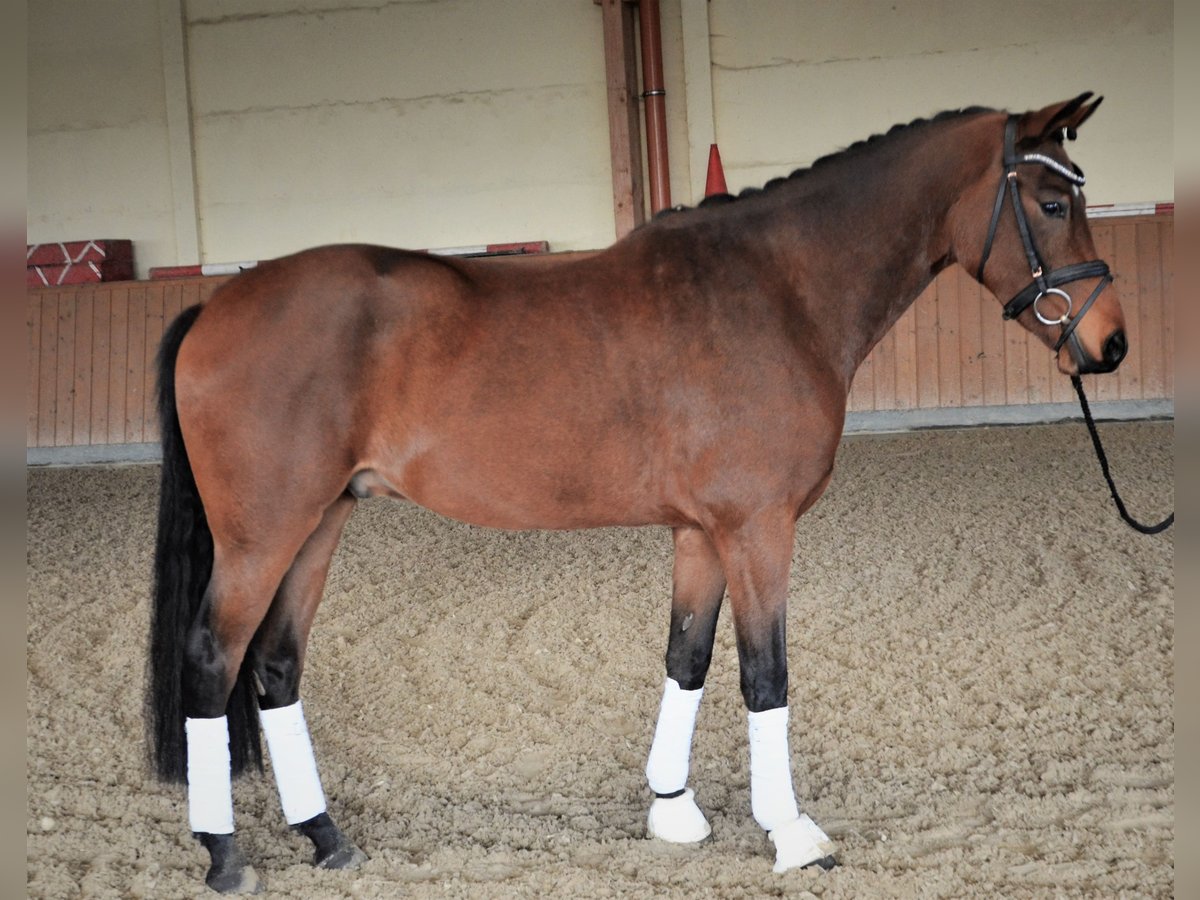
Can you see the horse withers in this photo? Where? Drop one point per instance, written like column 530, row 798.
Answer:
column 693, row 375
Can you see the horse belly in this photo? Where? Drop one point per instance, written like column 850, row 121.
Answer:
column 519, row 477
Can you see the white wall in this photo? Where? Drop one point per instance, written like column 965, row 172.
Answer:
column 98, row 158
column 429, row 123
column 415, row 124
column 796, row 79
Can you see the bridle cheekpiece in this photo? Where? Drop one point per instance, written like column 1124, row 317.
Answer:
column 1044, row 283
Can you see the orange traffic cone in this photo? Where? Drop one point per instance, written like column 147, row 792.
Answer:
column 716, row 174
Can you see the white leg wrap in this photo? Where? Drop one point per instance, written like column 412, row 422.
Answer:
column 675, row 819
column 293, row 762
column 771, row 797
column 797, row 839
column 667, row 768
column 210, row 788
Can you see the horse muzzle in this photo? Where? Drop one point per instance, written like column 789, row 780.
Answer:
column 1116, row 345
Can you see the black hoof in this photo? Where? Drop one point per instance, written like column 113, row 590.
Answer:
column 346, row 856
column 229, row 872
column 825, row 862
column 333, row 849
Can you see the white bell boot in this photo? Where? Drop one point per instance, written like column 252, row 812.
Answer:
column 800, row 843
column 678, row 819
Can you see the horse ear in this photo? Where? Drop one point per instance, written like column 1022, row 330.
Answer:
column 1063, row 118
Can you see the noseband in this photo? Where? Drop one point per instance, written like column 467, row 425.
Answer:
column 1044, row 283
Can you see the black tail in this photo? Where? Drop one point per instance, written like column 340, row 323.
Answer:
column 183, row 557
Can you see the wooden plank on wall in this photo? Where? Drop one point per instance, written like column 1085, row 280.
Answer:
column 135, row 366
column 1147, row 236
column 47, row 381
column 995, row 347
column 155, row 304
column 118, row 352
column 862, row 390
column 1128, row 383
column 949, row 349
column 64, row 418
column 81, row 428
column 33, row 367
column 101, row 359
column 970, row 322
column 885, row 372
column 905, row 331
column 1167, row 243
column 925, row 310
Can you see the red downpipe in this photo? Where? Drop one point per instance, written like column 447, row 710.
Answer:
column 655, row 96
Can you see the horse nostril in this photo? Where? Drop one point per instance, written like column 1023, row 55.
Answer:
column 1115, row 348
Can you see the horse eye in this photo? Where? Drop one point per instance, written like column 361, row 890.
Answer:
column 1054, row 209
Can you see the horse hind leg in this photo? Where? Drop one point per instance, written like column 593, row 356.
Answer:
column 261, row 552
column 244, row 579
column 697, row 589
column 277, row 659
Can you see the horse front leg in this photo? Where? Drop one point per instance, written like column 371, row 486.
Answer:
column 757, row 557
column 698, row 586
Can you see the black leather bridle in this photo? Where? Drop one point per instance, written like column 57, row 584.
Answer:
column 1044, row 283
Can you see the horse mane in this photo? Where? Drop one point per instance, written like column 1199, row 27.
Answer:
column 847, row 152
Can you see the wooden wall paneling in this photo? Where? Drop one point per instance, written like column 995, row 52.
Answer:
column 885, row 372
column 81, row 427
column 994, row 332
column 970, row 335
column 905, row 331
column 172, row 303
column 1124, row 261
column 1016, row 363
column 926, row 311
column 118, row 354
column 156, row 302
column 189, row 295
column 47, row 380
column 862, row 389
column 91, row 348
column 64, row 418
column 948, row 341
column 33, row 367
column 1147, row 238
column 1043, row 370
column 135, row 369
column 101, row 360
column 1168, row 295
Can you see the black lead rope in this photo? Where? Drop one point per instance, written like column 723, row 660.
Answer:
column 1091, row 424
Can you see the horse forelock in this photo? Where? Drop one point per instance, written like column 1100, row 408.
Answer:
column 854, row 150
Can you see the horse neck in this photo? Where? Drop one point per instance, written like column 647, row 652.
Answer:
column 860, row 237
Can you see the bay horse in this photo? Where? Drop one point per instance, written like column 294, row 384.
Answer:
column 692, row 375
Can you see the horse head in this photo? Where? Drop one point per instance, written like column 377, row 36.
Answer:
column 1026, row 220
